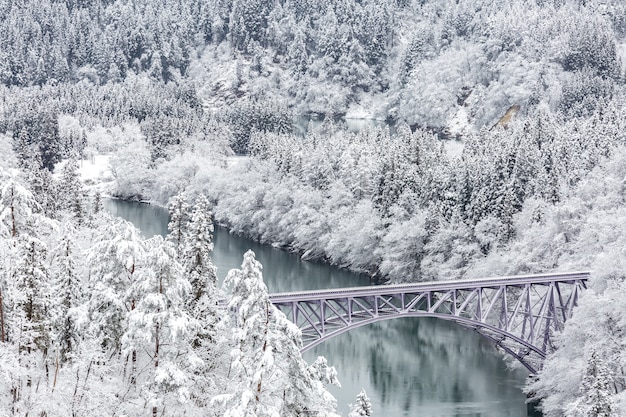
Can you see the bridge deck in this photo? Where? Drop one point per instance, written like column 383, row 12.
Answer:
column 430, row 286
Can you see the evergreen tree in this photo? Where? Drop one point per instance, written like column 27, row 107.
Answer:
column 202, row 276
column 23, row 149
column 46, row 132
column 20, row 223
column 30, row 292
column 201, row 303
column 298, row 55
column 73, row 195
column 417, row 50
column 160, row 326
column 596, row 391
column 333, row 38
column 363, row 406
column 113, row 261
column 179, row 222
column 268, row 375
column 66, row 295
column 376, row 30
column 43, row 186
column 20, row 214
column 248, row 22
column 97, row 203
column 252, row 357
column 198, row 246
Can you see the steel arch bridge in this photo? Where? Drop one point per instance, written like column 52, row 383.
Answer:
column 519, row 314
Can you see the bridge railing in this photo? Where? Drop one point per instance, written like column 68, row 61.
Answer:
column 518, row 280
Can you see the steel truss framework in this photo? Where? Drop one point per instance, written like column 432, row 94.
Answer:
column 518, row 314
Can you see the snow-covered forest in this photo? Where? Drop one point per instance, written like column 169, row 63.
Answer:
column 504, row 152
column 97, row 321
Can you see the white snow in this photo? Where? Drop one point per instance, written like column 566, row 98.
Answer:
column 460, row 124
column 362, row 110
column 368, row 107
column 454, row 148
column 621, row 53
column 236, row 160
column 96, row 169
column 69, row 125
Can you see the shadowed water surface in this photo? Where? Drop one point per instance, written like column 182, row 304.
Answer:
column 408, row 367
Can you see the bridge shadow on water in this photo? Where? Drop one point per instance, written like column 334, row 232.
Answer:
column 426, row 367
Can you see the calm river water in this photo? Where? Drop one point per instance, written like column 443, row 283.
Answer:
column 408, row 367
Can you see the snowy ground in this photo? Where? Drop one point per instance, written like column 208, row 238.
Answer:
column 460, row 124
column 368, row 107
column 94, row 171
column 454, row 148
column 236, row 160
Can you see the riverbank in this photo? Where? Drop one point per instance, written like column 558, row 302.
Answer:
column 197, row 176
column 395, row 207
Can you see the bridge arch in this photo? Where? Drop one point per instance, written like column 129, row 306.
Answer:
column 518, row 314
column 464, row 322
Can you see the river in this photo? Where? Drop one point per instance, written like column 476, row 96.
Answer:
column 408, row 367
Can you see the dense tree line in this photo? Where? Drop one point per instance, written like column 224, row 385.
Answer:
column 422, row 61
column 397, row 205
column 60, row 41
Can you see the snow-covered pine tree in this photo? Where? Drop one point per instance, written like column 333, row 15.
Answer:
column 252, row 357
column 201, row 303
column 309, row 389
column 29, row 290
column 248, row 22
column 201, row 272
column 19, row 217
column 198, row 246
column 19, row 211
column 42, row 185
column 377, row 32
column 6, row 252
column 268, row 376
column 178, row 208
column 160, row 329
column 24, row 297
column 28, row 326
column 23, row 149
column 596, row 391
column 113, row 263
column 97, row 203
column 72, row 193
column 420, row 47
column 46, row 131
column 66, row 294
column 362, row 407
column 297, row 54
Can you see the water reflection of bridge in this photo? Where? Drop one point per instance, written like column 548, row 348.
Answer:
column 519, row 314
